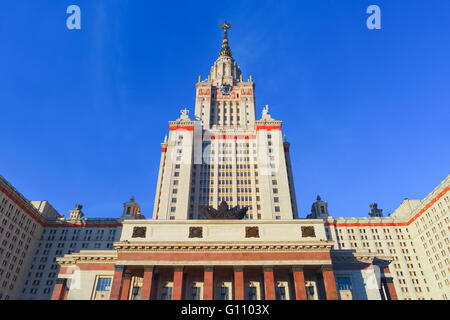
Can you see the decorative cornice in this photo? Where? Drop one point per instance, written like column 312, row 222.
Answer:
column 390, row 224
column 227, row 247
column 173, row 127
column 233, row 136
column 350, row 256
column 268, row 127
column 100, row 256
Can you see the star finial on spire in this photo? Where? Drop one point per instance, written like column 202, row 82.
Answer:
column 225, row 50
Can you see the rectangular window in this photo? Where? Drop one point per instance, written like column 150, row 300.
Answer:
column 167, row 293
column 104, row 284
column 280, row 293
column 195, row 293
column 252, row 293
column 224, row 293
column 344, row 283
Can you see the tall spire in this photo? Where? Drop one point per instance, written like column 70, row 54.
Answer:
column 225, row 50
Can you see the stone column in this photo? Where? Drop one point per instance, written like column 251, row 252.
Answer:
column 390, row 288
column 329, row 282
column 177, row 283
column 269, row 285
column 239, row 283
column 208, row 283
column 147, row 283
column 299, row 283
column 59, row 289
column 116, row 282
column 125, row 293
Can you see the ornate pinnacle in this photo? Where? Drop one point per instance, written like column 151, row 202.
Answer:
column 225, row 50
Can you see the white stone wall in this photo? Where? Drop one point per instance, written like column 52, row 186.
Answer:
column 413, row 273
column 56, row 242
column 223, row 231
column 19, row 236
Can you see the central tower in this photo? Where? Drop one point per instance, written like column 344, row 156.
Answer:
column 224, row 153
column 224, row 100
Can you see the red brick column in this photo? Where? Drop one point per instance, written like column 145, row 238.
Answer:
column 239, row 283
column 299, row 283
column 59, row 289
column 208, row 283
column 177, row 283
column 116, row 283
column 125, row 293
column 329, row 283
column 269, row 285
column 147, row 283
column 390, row 288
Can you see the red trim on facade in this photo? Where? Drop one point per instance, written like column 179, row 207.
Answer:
column 163, row 149
column 269, row 285
column 177, row 290
column 329, row 284
column 299, row 283
column 84, row 225
column 19, row 204
column 268, row 128
column 126, row 284
column 208, row 284
column 59, row 291
column 238, row 284
column 147, row 284
column 392, row 224
column 116, row 285
column 233, row 137
column 188, row 128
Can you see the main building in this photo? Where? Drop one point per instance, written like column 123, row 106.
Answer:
column 225, row 160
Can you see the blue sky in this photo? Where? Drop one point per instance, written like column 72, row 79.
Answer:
column 83, row 112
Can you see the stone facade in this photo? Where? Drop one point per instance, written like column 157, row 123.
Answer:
column 224, row 154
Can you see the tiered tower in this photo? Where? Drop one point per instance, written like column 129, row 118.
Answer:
column 224, row 153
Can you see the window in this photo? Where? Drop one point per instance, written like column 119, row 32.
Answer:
column 224, row 293
column 195, row 293
column 280, row 293
column 344, row 283
column 252, row 293
column 167, row 293
column 136, row 293
column 104, row 284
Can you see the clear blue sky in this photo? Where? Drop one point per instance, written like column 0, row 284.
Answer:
column 83, row 112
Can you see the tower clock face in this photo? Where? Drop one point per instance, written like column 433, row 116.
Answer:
column 226, row 88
